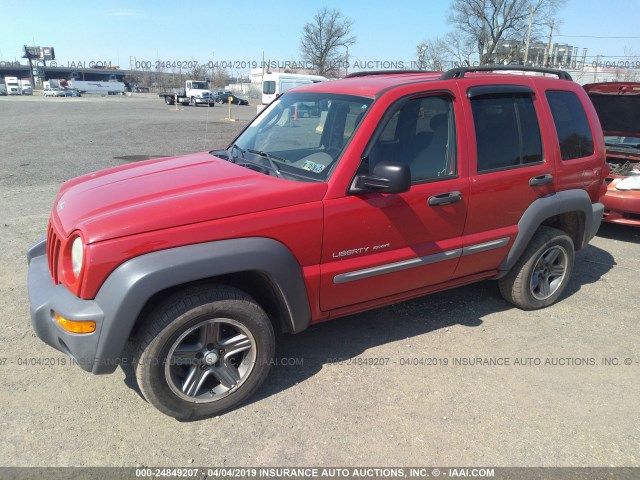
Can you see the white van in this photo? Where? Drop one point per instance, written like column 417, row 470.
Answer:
column 274, row 84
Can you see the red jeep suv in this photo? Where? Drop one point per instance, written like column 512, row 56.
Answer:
column 400, row 184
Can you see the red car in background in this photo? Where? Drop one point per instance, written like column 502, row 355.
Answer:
column 618, row 107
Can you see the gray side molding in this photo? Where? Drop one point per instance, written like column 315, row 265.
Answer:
column 550, row 206
column 132, row 284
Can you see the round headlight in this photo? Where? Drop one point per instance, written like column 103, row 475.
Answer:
column 77, row 255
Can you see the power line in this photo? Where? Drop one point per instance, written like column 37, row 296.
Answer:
column 591, row 36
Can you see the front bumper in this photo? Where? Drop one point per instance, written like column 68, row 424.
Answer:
column 621, row 206
column 205, row 100
column 45, row 298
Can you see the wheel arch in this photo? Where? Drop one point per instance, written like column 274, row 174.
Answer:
column 570, row 211
column 264, row 268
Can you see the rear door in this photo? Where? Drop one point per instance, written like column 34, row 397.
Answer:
column 510, row 168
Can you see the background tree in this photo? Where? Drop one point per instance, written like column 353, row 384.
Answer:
column 485, row 22
column 324, row 41
column 219, row 77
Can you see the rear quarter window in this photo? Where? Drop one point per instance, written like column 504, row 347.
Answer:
column 572, row 124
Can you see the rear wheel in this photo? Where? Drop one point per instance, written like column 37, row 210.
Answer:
column 168, row 100
column 540, row 276
column 203, row 351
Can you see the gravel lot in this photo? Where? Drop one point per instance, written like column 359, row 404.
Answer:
column 570, row 410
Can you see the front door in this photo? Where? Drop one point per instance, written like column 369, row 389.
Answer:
column 375, row 244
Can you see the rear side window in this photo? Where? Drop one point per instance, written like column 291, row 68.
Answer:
column 572, row 124
column 507, row 131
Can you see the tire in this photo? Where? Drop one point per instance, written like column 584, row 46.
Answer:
column 542, row 273
column 207, row 378
column 220, row 101
column 193, row 102
column 168, row 100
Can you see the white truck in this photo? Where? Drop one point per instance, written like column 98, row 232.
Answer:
column 275, row 84
column 26, row 87
column 13, row 85
column 194, row 93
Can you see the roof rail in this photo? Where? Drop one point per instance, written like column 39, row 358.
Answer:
column 367, row 73
column 460, row 71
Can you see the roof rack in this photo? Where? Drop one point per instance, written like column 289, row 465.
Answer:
column 367, row 73
column 460, row 71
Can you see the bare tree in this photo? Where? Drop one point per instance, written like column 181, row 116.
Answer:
column 486, row 22
column 459, row 50
column 323, row 40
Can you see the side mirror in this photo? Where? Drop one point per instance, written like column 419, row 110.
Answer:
column 387, row 177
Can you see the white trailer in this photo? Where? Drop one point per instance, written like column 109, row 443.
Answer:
column 275, row 84
column 110, row 87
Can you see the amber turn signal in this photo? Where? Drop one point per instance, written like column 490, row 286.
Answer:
column 75, row 326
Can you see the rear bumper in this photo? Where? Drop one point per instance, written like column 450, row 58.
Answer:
column 591, row 228
column 46, row 298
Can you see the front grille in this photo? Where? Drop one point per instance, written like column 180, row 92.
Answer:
column 53, row 253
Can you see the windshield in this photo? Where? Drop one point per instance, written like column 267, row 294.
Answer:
column 199, row 85
column 301, row 135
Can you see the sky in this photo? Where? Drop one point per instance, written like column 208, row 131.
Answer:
column 123, row 32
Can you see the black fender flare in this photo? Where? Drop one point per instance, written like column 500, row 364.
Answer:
column 548, row 207
column 128, row 288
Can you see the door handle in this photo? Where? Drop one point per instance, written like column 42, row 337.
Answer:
column 445, row 198
column 541, row 180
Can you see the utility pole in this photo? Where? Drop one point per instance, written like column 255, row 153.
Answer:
column 526, row 47
column 548, row 51
column 595, row 71
column 346, row 65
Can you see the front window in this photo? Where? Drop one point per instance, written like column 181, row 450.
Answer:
column 420, row 134
column 299, row 136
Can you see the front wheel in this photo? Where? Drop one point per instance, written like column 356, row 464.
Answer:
column 541, row 275
column 193, row 102
column 203, row 351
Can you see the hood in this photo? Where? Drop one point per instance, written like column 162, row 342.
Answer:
column 169, row 192
column 618, row 107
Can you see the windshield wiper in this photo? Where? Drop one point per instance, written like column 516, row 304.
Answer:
column 273, row 165
column 231, row 149
column 246, row 161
